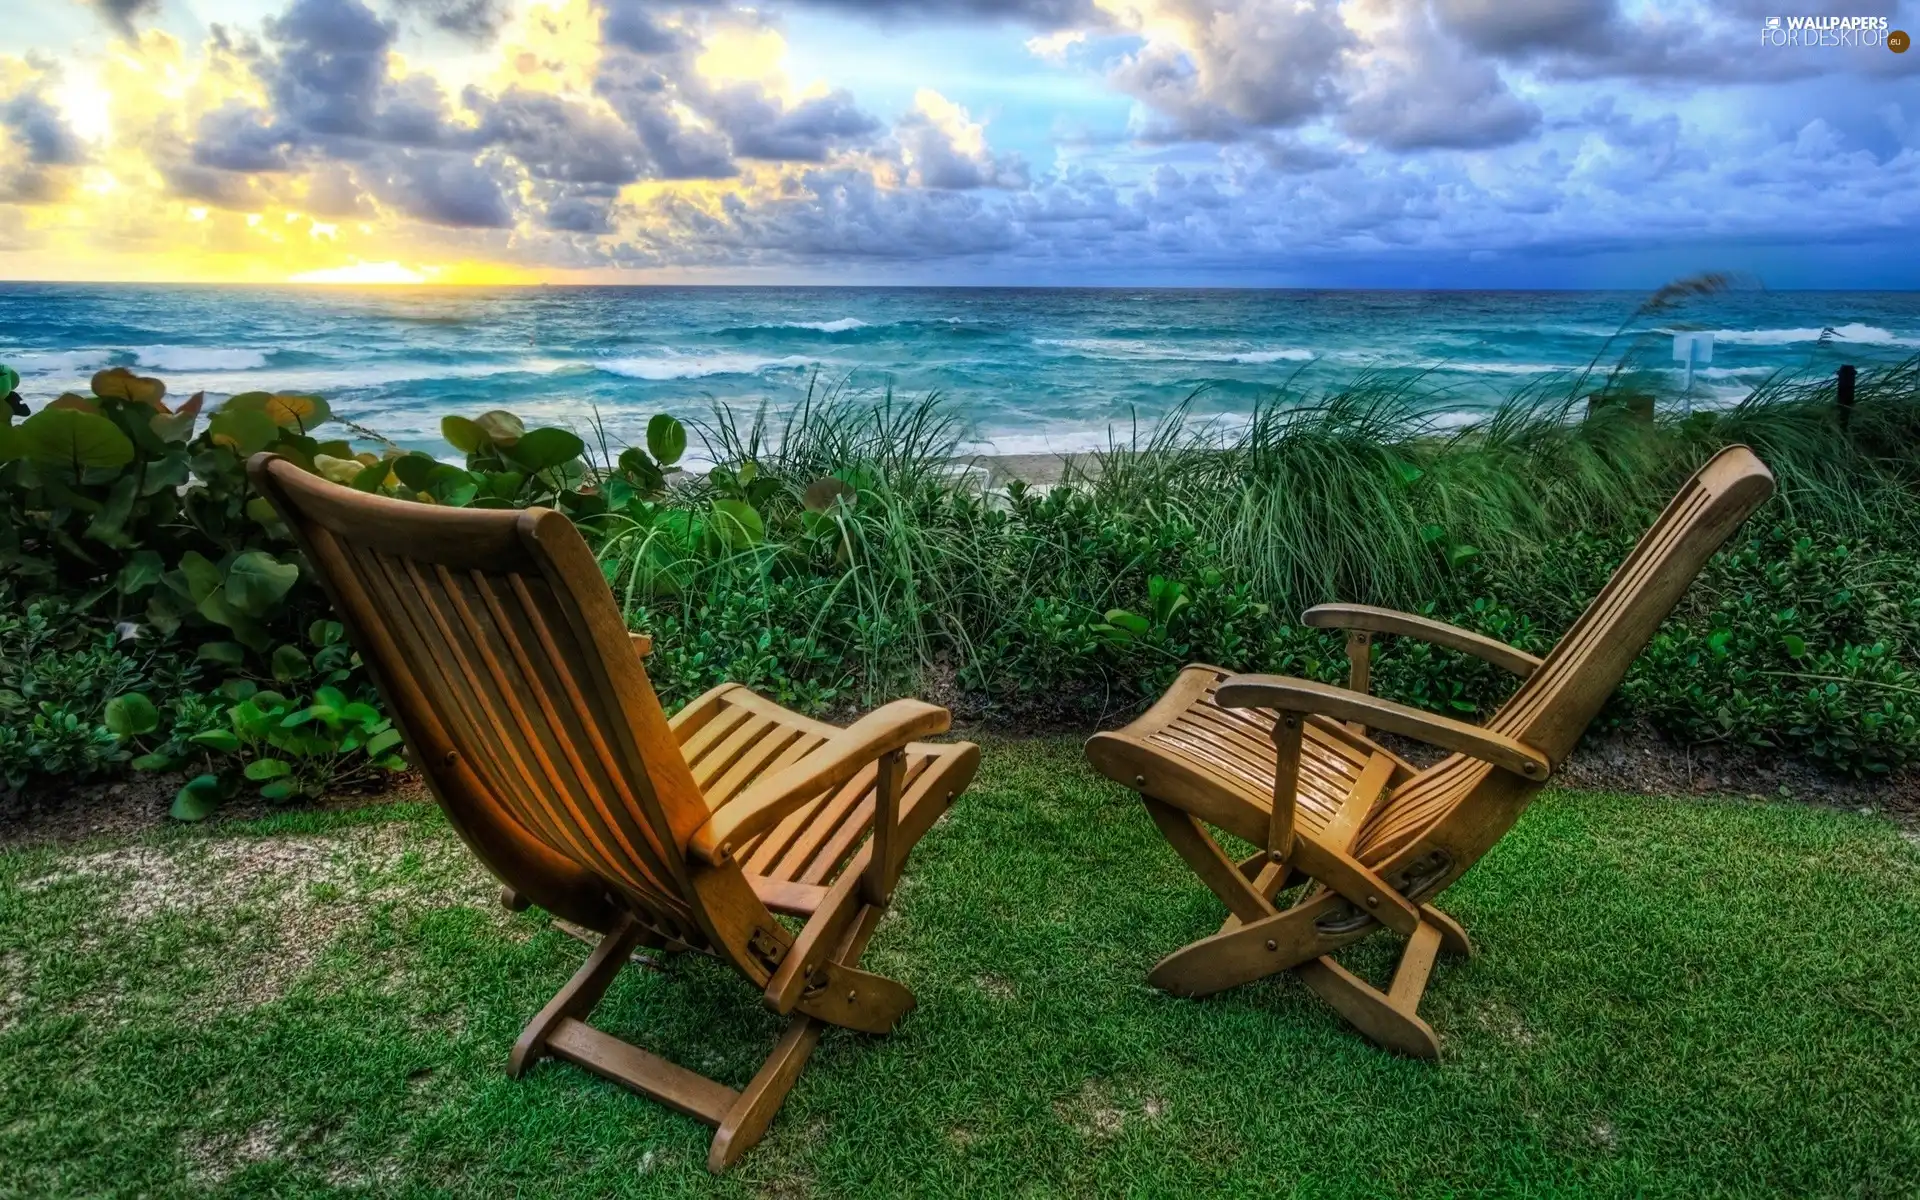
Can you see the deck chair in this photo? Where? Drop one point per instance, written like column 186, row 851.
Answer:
column 497, row 645
column 1369, row 839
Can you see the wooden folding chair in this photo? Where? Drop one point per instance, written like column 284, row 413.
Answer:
column 1286, row 765
column 500, row 652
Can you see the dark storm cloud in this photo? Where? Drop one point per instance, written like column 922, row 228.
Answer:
column 560, row 141
column 37, row 173
column 831, row 216
column 630, row 25
column 1422, row 89
column 1049, row 14
column 477, row 20
column 439, row 188
column 582, row 210
column 644, row 97
column 39, row 126
column 1506, row 27
column 760, row 128
column 123, row 14
column 214, row 187
column 234, row 137
column 331, row 65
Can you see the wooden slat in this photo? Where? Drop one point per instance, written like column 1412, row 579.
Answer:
column 751, row 765
column 834, row 850
column 721, row 756
column 822, row 821
column 1359, row 804
column 786, row 896
column 674, row 1086
column 718, row 726
column 625, row 841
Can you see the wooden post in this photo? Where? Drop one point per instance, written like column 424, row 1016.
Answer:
column 1288, row 729
column 1846, row 379
column 1359, row 669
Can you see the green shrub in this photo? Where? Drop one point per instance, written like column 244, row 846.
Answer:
column 843, row 558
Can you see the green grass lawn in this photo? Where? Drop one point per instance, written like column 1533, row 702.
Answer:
column 1679, row 997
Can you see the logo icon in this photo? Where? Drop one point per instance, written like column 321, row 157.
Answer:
column 1898, row 41
column 1773, row 22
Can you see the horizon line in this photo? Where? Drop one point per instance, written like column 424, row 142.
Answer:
column 920, row 287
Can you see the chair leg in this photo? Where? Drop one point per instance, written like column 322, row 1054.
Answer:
column 1453, row 939
column 746, row 1122
column 1390, row 1018
column 578, row 998
column 741, row 1117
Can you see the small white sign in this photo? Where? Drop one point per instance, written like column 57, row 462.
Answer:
column 1693, row 348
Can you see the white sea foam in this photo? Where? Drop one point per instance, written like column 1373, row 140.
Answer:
column 1269, row 356
column 322, row 379
column 699, row 366
column 35, row 363
column 1131, row 348
column 1855, row 332
column 198, row 358
column 841, row 326
column 1722, row 372
column 1502, row 368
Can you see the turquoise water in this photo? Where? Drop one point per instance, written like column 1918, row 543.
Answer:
column 1028, row 369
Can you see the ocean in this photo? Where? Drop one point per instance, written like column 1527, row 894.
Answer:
column 1027, row 370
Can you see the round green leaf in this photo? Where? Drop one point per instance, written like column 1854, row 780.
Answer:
column 155, row 762
column 66, row 437
column 462, row 434
column 257, row 580
column 227, row 654
column 121, row 383
column 666, row 438
column 262, row 769
column 343, row 471
column 296, row 412
column 372, row 477
column 823, row 492
column 141, row 571
column 413, row 469
column 131, row 715
column 290, row 665
column 738, row 523
column 502, row 428
column 542, row 449
column 244, row 430
column 223, row 741
column 451, row 486
column 197, row 800
column 9, row 380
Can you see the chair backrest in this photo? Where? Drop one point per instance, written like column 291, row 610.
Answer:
column 1557, row 702
column 501, row 654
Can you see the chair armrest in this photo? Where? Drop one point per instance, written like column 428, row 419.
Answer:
column 642, row 644
column 1367, row 618
column 1300, row 695
column 764, row 802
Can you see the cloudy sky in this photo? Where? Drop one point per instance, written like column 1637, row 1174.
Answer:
column 1388, row 143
